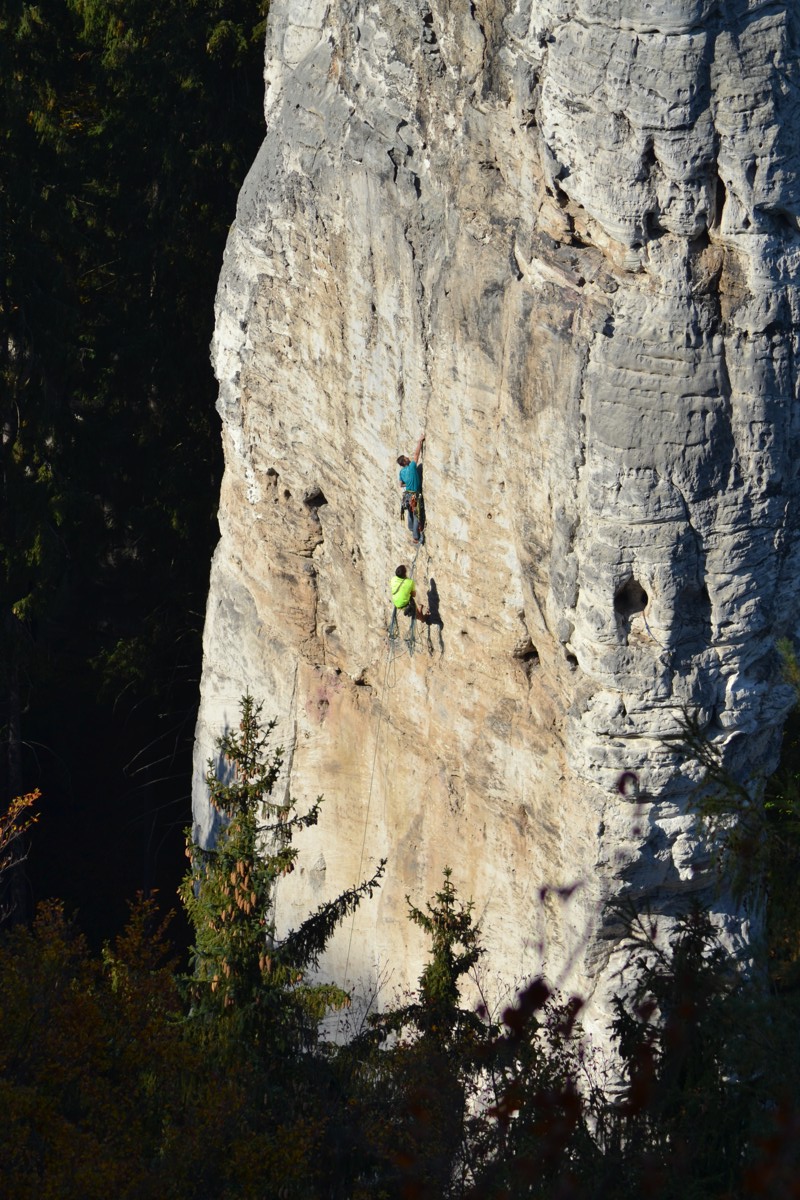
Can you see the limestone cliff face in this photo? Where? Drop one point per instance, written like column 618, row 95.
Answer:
column 560, row 236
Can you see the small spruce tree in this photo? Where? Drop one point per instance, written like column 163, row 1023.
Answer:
column 242, row 974
column 413, row 1097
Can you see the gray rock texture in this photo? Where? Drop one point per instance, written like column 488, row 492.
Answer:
column 562, row 238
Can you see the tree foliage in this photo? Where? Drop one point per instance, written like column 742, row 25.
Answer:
column 242, row 972
column 15, row 824
column 127, row 130
column 92, row 1064
column 414, row 1069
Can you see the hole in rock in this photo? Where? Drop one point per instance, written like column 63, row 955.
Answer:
column 528, row 656
column 572, row 661
column 315, row 498
column 525, row 651
column 652, row 227
column 630, row 598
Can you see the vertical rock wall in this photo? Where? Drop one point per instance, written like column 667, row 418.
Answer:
column 562, row 238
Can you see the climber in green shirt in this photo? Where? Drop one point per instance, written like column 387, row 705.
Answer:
column 403, row 592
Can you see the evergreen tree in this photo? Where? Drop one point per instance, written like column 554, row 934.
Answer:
column 243, row 975
column 254, row 1004
column 679, row 1122
column 416, row 1071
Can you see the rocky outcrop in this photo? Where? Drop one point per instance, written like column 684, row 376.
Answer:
column 561, row 238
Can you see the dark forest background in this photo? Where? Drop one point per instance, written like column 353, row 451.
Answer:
column 128, row 127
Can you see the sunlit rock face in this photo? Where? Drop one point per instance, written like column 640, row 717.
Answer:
column 561, row 238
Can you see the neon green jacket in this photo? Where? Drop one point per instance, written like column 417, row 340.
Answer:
column 402, row 591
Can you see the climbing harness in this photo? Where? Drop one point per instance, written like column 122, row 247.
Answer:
column 414, row 503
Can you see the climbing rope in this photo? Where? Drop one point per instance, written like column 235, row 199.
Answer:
column 366, row 822
column 393, row 636
column 411, row 642
column 649, row 630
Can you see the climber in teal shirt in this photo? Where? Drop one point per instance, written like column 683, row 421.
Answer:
column 411, row 480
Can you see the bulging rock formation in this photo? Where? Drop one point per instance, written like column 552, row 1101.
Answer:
column 562, row 238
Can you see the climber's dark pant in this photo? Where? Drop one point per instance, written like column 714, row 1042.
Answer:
column 412, row 514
